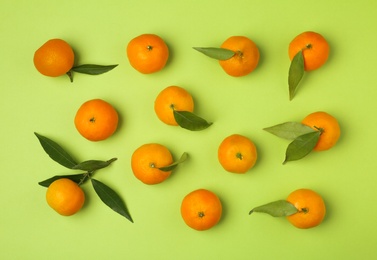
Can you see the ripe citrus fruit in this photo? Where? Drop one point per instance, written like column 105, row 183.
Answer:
column 147, row 53
column 311, row 208
column 146, row 161
column 96, row 120
column 201, row 209
column 315, row 49
column 237, row 154
column 54, row 58
column 65, row 196
column 245, row 59
column 329, row 127
column 172, row 98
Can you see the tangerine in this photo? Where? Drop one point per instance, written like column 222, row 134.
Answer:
column 315, row 49
column 96, row 120
column 201, row 209
column 329, row 127
column 170, row 99
column 311, row 208
column 237, row 154
column 65, row 196
column 147, row 53
column 146, row 161
column 54, row 58
column 245, row 59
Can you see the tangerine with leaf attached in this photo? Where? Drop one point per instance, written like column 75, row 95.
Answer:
column 311, row 209
column 315, row 49
column 147, row 160
column 327, row 125
column 170, row 99
column 245, row 58
column 54, row 58
column 65, row 196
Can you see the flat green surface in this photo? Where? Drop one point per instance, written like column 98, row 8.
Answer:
column 99, row 31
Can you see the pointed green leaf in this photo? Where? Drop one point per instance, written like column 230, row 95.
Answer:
column 93, row 165
column 174, row 165
column 296, row 72
column 301, row 146
column 111, row 198
column 56, row 152
column 289, row 130
column 93, row 69
column 78, row 178
column 216, row 53
column 280, row 208
column 190, row 121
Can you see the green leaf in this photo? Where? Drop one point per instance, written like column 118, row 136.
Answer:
column 93, row 69
column 56, row 152
column 93, row 165
column 174, row 165
column 216, row 53
column 280, row 208
column 78, row 178
column 190, row 121
column 289, row 130
column 110, row 198
column 296, row 72
column 301, row 146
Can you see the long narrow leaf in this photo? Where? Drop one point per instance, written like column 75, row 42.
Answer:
column 111, row 198
column 190, row 121
column 93, row 165
column 78, row 178
column 216, row 53
column 280, row 208
column 289, row 130
column 175, row 164
column 296, row 72
column 93, row 69
column 56, row 152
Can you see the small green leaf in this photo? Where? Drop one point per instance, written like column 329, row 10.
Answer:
column 78, row 178
column 216, row 53
column 301, row 146
column 56, row 152
column 280, row 208
column 190, row 121
column 93, row 165
column 174, row 165
column 289, row 130
column 93, row 69
column 296, row 72
column 111, row 198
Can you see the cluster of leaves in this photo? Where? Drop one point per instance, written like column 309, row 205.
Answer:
column 105, row 193
column 304, row 138
column 90, row 69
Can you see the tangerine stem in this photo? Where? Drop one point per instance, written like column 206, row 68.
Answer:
column 69, row 74
column 201, row 214
column 319, row 129
column 239, row 156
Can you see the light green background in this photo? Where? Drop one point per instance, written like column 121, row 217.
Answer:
column 99, row 31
